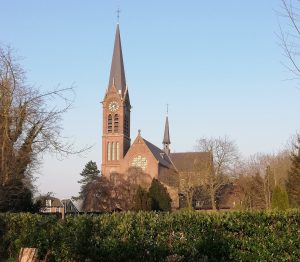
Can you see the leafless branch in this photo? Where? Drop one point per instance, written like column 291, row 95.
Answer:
column 29, row 124
column 289, row 35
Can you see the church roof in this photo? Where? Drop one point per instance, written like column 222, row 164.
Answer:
column 160, row 155
column 181, row 162
column 188, row 161
column 166, row 139
column 117, row 72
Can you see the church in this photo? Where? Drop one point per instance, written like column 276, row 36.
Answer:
column 176, row 171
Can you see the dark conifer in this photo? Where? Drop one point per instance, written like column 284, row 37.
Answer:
column 16, row 197
column 160, row 197
column 293, row 182
column 142, row 200
column 89, row 174
column 280, row 199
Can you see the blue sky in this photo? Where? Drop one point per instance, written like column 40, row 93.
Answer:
column 216, row 63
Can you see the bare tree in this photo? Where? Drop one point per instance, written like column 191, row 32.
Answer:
column 125, row 186
column 273, row 170
column 225, row 160
column 289, row 35
column 97, row 195
column 257, row 167
column 280, row 165
column 251, row 191
column 118, row 191
column 188, row 187
column 29, row 121
column 194, row 177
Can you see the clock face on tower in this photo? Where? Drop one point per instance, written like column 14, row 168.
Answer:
column 113, row 106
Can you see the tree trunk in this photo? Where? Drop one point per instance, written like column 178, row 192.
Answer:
column 189, row 198
column 213, row 199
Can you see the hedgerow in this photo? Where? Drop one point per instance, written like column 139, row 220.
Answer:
column 150, row 236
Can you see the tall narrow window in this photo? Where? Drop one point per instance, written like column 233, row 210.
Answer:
column 116, row 123
column 113, row 151
column 109, row 124
column 126, row 125
column 118, row 151
column 108, row 151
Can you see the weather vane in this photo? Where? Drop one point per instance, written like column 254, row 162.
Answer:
column 118, row 14
column 167, row 109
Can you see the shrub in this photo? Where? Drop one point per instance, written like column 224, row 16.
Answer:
column 150, row 236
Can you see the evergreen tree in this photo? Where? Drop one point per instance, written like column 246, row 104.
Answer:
column 280, row 199
column 16, row 197
column 160, row 198
column 89, row 174
column 142, row 200
column 293, row 182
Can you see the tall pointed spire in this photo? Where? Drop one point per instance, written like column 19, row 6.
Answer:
column 166, row 139
column 117, row 72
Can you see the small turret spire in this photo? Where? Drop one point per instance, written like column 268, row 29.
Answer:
column 166, row 139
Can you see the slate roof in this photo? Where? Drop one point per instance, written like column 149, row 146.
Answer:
column 189, row 160
column 160, row 155
column 117, row 72
column 181, row 162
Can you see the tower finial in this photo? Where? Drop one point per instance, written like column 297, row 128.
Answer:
column 118, row 14
column 167, row 109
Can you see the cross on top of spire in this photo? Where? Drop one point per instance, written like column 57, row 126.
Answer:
column 118, row 14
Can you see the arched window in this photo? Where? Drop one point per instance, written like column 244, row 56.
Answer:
column 108, row 151
column 113, row 151
column 116, row 123
column 109, row 124
column 118, row 151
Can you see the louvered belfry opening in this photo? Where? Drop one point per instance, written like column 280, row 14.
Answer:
column 109, row 124
column 116, row 123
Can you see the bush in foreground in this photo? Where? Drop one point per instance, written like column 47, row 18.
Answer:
column 150, row 236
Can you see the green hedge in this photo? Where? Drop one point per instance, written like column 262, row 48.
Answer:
column 149, row 236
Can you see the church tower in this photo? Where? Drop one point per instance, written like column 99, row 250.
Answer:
column 116, row 113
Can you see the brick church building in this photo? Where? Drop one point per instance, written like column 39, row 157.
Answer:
column 175, row 170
